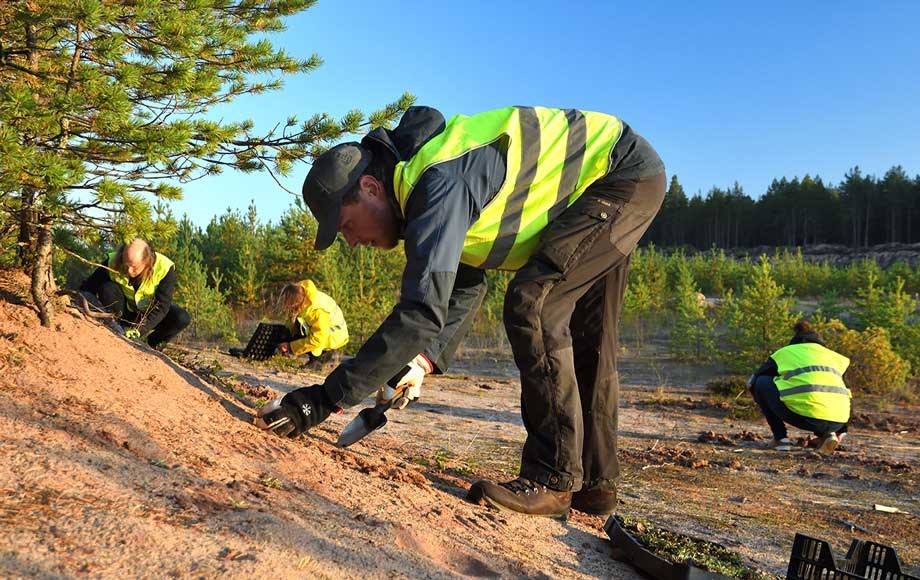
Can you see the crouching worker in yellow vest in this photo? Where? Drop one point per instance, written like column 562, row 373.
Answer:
column 802, row 384
column 316, row 323
column 137, row 287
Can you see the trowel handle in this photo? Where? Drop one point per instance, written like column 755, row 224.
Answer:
column 394, row 382
column 389, row 393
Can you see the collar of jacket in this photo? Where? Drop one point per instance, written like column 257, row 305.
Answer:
column 417, row 126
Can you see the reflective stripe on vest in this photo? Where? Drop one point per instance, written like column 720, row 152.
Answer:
column 810, row 381
column 552, row 156
column 810, row 369
column 139, row 299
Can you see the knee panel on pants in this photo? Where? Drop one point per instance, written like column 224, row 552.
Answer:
column 183, row 318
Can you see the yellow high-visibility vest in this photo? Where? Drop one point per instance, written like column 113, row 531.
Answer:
column 810, row 381
column 139, row 299
column 553, row 155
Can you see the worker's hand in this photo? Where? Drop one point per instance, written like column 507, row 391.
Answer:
column 132, row 333
column 296, row 412
column 418, row 368
column 284, row 349
column 409, row 387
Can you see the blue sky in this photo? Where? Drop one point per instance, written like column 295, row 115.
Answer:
column 725, row 91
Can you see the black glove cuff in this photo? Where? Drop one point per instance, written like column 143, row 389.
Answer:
column 308, row 407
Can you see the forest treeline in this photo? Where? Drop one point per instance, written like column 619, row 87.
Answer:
column 863, row 210
column 710, row 306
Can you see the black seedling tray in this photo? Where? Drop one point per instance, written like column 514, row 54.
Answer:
column 627, row 549
column 263, row 341
column 812, row 560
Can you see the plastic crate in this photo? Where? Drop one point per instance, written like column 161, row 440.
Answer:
column 812, row 559
column 627, row 549
column 263, row 341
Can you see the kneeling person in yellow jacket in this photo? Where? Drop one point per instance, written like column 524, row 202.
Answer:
column 316, row 322
column 802, row 384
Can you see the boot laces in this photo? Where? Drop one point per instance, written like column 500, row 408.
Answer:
column 522, row 486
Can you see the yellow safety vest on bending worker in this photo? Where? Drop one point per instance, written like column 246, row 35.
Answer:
column 810, row 381
column 552, row 156
column 140, row 299
column 320, row 321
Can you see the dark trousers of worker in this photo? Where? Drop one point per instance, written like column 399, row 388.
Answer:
column 176, row 319
column 778, row 414
column 561, row 315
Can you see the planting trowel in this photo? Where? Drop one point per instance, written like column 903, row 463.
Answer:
column 373, row 418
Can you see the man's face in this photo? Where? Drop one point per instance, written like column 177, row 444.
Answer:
column 370, row 221
column 134, row 260
column 135, row 269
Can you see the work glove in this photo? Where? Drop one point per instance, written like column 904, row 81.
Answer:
column 284, row 349
column 296, row 412
column 409, row 387
column 133, row 333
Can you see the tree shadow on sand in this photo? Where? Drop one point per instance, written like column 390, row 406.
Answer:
column 511, row 417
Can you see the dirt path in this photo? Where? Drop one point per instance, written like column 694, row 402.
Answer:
column 727, row 487
column 124, row 462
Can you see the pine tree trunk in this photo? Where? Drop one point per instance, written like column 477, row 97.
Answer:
column 855, row 232
column 25, row 249
column 893, row 231
column 910, row 218
column 43, row 287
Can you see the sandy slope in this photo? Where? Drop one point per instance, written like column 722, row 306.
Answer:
column 122, row 462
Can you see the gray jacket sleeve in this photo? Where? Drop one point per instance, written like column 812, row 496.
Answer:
column 768, row 368
column 436, row 305
column 465, row 300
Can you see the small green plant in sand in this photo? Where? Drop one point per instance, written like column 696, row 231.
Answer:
column 269, row 481
column 731, row 392
column 281, row 363
column 446, row 460
column 727, row 385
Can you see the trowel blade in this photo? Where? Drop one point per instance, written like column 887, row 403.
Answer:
column 367, row 421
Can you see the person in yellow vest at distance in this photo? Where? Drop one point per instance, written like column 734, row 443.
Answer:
column 316, row 323
column 559, row 196
column 137, row 287
column 802, row 385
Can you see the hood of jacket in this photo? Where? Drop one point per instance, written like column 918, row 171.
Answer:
column 310, row 290
column 417, row 126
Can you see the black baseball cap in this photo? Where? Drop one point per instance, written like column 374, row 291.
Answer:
column 334, row 173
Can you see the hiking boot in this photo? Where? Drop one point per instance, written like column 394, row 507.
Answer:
column 784, row 444
column 598, row 502
column 522, row 496
column 827, row 444
column 318, row 362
